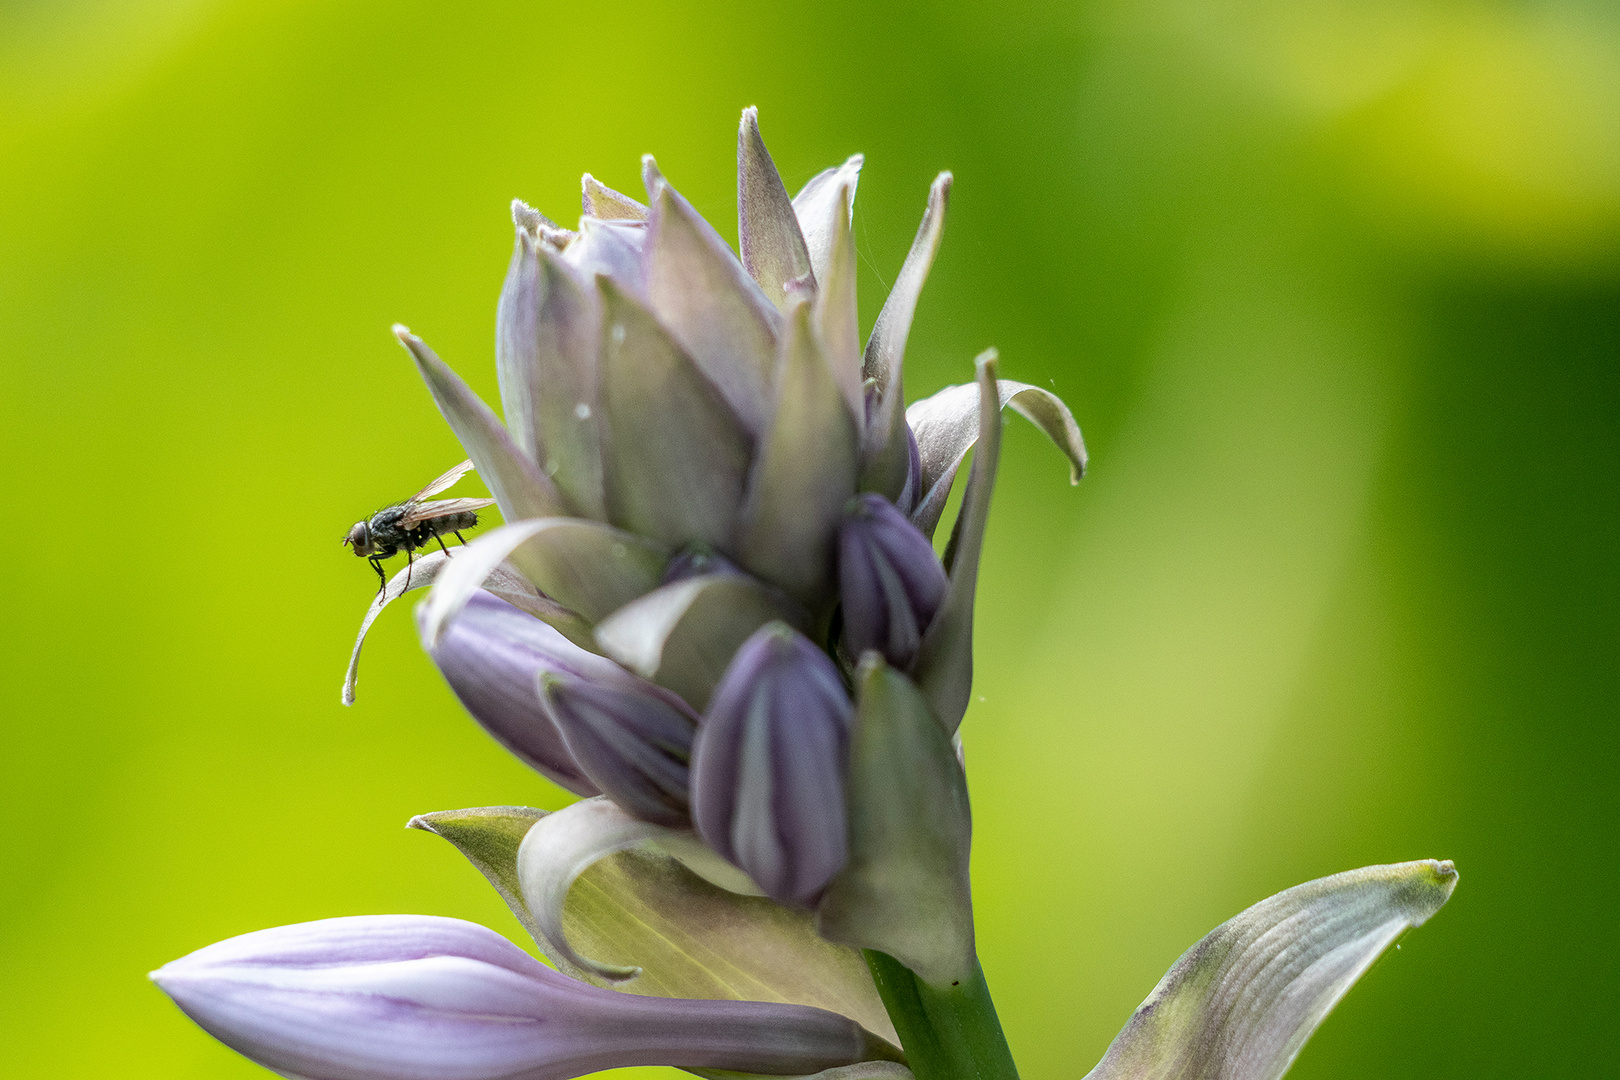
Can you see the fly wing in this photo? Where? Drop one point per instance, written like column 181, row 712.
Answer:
column 446, row 481
column 441, row 508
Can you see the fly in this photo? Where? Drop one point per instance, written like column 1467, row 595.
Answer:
column 411, row 524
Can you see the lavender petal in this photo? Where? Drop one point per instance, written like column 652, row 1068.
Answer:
column 398, row 997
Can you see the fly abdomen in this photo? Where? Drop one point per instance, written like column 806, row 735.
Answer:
column 440, row 526
column 452, row 522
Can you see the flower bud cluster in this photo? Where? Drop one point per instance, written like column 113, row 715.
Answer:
column 721, row 504
column 715, row 608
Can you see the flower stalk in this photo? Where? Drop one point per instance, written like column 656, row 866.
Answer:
column 948, row 1032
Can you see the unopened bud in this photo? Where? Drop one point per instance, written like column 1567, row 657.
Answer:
column 632, row 739
column 491, row 655
column 889, row 579
column 768, row 766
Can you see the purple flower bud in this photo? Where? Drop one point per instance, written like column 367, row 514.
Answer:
column 889, row 579
column 631, row 738
column 491, row 656
column 411, row 997
column 768, row 766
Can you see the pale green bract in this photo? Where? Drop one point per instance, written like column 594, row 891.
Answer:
column 1240, row 1004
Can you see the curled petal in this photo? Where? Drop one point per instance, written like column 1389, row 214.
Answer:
column 711, row 306
column 947, row 424
column 557, row 850
column 397, row 997
column 420, row 574
column 1241, row 1003
column 773, row 249
column 884, row 449
column 501, row 580
column 518, row 484
column 683, row 635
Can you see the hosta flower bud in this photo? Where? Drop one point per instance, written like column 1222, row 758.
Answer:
column 411, row 997
column 632, row 739
column 768, row 766
column 891, row 582
column 491, row 655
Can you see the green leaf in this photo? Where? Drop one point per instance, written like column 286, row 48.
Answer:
column 947, row 425
column 596, row 880
column 683, row 635
column 805, row 472
column 944, row 668
column 700, row 291
column 773, row 249
column 676, row 456
column 489, row 836
column 905, row 890
column 520, row 488
column 1241, row 1003
column 885, row 450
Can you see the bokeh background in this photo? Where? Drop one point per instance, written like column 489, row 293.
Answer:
column 1333, row 288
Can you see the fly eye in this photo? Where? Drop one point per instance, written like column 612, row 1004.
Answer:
column 360, row 538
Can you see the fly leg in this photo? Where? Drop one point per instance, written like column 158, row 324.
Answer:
column 463, row 539
column 410, row 554
column 440, row 540
column 382, row 578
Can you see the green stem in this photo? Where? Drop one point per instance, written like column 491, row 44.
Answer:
column 950, row 1032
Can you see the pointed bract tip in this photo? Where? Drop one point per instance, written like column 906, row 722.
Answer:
column 420, row 821
column 403, row 333
column 528, row 220
column 750, row 117
column 1445, row 874
column 941, row 187
column 987, row 360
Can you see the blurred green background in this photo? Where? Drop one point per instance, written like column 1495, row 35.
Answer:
column 1333, row 288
